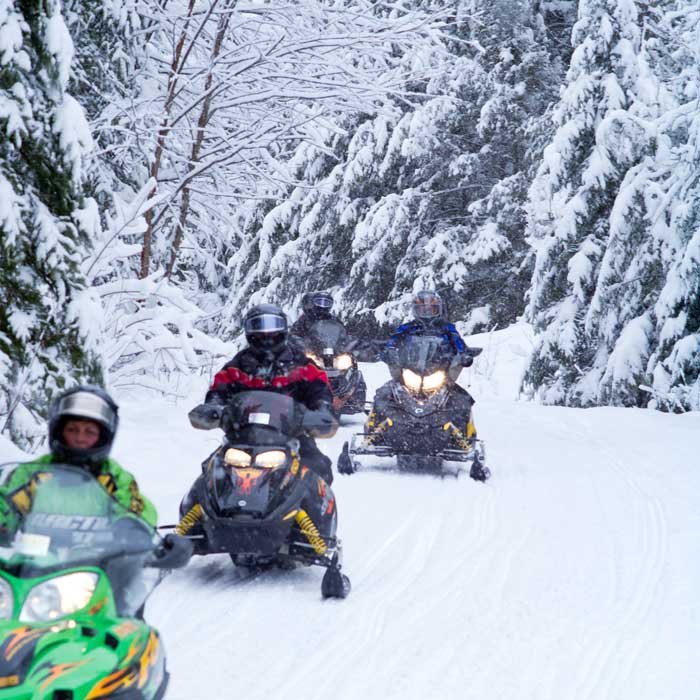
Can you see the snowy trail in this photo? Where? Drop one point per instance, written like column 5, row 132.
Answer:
column 572, row 574
column 553, row 580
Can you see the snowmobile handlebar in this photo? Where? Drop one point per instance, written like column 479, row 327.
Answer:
column 174, row 552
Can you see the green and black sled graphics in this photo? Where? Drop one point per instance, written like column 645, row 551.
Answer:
column 74, row 577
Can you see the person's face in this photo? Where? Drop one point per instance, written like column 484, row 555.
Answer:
column 81, row 434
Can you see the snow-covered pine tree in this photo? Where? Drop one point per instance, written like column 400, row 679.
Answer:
column 44, row 330
column 601, row 138
column 428, row 192
column 674, row 363
column 109, row 38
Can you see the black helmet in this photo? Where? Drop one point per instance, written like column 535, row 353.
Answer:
column 427, row 306
column 317, row 305
column 265, row 329
column 85, row 402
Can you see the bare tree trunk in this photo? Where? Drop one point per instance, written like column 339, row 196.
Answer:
column 202, row 123
column 175, row 69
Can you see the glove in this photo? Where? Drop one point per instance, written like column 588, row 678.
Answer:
column 319, row 423
column 206, row 416
column 173, row 552
column 467, row 360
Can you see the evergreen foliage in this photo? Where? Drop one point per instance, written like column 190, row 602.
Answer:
column 516, row 155
column 426, row 193
column 598, row 140
column 614, row 216
column 674, row 361
column 109, row 49
column 44, row 345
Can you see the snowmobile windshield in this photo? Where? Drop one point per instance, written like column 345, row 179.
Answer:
column 328, row 335
column 264, row 412
column 55, row 516
column 425, row 354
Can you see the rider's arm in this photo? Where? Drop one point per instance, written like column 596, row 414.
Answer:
column 389, row 353
column 17, row 494
column 229, row 380
column 313, row 390
column 299, row 328
column 455, row 338
column 465, row 353
column 125, row 490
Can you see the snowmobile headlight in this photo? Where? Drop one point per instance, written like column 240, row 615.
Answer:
column 6, row 600
column 343, row 362
column 411, row 380
column 434, row 381
column 271, row 459
column 237, row 458
column 59, row 596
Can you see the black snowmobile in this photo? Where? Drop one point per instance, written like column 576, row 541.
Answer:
column 329, row 347
column 421, row 419
column 255, row 500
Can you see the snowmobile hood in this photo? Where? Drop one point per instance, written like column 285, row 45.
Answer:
column 80, row 657
column 328, row 335
column 261, row 436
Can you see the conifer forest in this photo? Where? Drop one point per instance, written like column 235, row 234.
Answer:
column 166, row 164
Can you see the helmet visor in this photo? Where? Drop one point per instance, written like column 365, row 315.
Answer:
column 322, row 301
column 84, row 404
column 266, row 323
column 427, row 306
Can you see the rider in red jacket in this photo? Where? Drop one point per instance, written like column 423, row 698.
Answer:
column 271, row 363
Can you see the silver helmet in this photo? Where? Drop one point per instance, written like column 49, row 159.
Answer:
column 85, row 402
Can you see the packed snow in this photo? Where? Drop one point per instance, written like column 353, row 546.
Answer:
column 572, row 573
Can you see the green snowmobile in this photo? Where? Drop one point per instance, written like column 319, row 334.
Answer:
column 74, row 577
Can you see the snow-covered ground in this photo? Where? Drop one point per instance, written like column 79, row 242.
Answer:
column 573, row 573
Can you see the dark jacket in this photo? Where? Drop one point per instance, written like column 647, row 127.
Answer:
column 290, row 373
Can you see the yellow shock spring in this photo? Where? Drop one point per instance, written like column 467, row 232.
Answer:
column 189, row 520
column 306, row 525
column 459, row 436
column 377, row 432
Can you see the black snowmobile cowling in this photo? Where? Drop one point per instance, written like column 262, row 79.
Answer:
column 421, row 420
column 256, row 501
column 73, row 581
column 328, row 345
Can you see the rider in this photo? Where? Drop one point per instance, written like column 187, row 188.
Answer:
column 271, row 363
column 316, row 306
column 82, row 425
column 429, row 320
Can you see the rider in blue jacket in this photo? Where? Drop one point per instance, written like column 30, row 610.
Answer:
column 429, row 320
column 428, row 312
